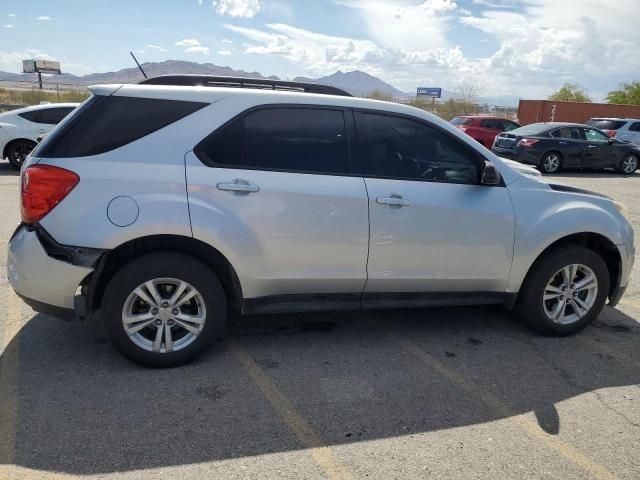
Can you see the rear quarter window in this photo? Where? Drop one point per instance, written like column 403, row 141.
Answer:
column 103, row 124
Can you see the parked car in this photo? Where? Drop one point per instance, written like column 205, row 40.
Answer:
column 554, row 145
column 20, row 128
column 483, row 128
column 624, row 129
column 160, row 209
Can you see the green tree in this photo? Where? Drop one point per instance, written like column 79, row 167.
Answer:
column 628, row 93
column 570, row 92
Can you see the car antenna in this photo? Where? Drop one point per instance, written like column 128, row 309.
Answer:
column 136, row 60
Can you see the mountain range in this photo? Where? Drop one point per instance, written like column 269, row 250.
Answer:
column 356, row 82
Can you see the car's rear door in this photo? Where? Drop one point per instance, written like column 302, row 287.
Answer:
column 434, row 228
column 598, row 150
column 275, row 192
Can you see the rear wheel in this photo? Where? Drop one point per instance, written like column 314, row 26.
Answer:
column 550, row 163
column 17, row 152
column 629, row 164
column 565, row 290
column 163, row 309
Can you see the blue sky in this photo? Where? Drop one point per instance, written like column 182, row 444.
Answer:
column 522, row 47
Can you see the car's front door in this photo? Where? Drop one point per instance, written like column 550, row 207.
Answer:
column 273, row 190
column 598, row 151
column 434, row 227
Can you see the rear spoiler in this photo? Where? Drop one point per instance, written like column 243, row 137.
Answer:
column 104, row 90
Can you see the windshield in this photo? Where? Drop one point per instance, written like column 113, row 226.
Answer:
column 460, row 121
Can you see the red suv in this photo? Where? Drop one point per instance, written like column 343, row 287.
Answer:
column 483, row 129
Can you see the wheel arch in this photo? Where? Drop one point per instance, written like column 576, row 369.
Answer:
column 115, row 259
column 14, row 141
column 596, row 242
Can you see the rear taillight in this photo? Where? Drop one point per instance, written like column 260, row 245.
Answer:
column 43, row 187
column 611, row 133
column 527, row 142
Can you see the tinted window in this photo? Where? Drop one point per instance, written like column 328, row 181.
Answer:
column 531, row 130
column 493, row 124
column 223, row 147
column 572, row 133
column 461, row 121
column 53, row 116
column 297, row 139
column 605, row 124
column 595, row 136
column 32, row 116
column 635, row 127
column 407, row 149
column 106, row 123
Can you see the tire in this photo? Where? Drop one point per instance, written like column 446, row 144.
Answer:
column 546, row 279
column 551, row 162
column 18, row 151
column 203, row 314
column 628, row 164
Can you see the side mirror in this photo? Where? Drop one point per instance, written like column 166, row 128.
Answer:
column 611, row 140
column 490, row 174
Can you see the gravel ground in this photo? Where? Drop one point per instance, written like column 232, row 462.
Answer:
column 452, row 393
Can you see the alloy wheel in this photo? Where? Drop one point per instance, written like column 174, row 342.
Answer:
column 570, row 294
column 551, row 163
column 630, row 164
column 164, row 315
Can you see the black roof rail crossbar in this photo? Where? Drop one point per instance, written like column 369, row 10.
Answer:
column 243, row 82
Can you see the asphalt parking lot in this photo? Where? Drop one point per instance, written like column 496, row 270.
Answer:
column 452, row 393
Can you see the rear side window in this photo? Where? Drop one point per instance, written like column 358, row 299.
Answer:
column 605, row 124
column 106, row 123
column 572, row 133
column 635, row 127
column 491, row 124
column 53, row 116
column 32, row 116
column 307, row 140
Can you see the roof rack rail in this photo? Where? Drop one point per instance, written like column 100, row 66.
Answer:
column 242, row 82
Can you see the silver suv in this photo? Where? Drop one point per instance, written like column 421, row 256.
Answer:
column 160, row 207
column 623, row 129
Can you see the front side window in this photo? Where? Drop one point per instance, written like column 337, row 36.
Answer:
column 595, row 136
column 406, row 149
column 507, row 126
column 461, row 121
column 305, row 140
column 492, row 124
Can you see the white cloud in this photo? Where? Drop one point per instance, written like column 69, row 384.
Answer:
column 188, row 42
column 12, row 61
column 226, row 40
column 157, row 48
column 198, row 49
column 224, row 52
column 237, row 8
column 11, row 14
column 199, row 2
column 43, row 18
column 7, row 25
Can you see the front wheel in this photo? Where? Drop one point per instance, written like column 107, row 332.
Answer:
column 565, row 290
column 18, row 151
column 629, row 164
column 163, row 309
column 550, row 162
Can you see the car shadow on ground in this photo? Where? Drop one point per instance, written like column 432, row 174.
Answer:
column 82, row 409
column 7, row 170
column 604, row 173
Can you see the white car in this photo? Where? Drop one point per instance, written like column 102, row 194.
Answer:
column 20, row 128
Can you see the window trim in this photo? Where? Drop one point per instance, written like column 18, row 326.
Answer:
column 350, row 132
column 366, row 153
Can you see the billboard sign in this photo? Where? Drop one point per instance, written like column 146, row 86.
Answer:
column 28, row 66
column 433, row 92
column 40, row 66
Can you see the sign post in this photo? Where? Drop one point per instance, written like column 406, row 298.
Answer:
column 433, row 92
column 40, row 67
